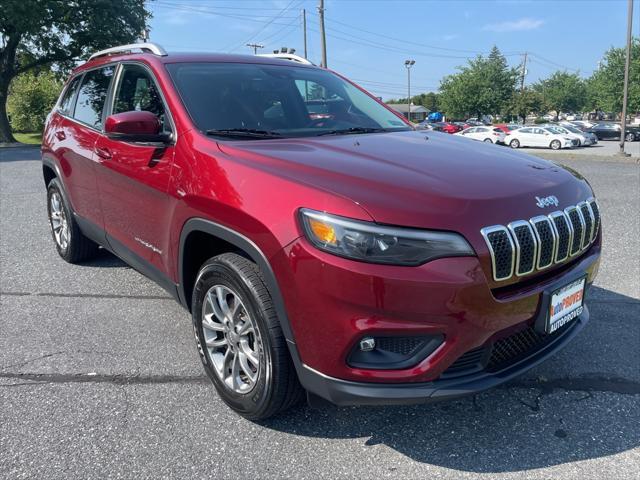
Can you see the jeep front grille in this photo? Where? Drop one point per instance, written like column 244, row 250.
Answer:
column 527, row 246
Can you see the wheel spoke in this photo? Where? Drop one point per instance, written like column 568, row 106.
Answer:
column 235, row 372
column 210, row 324
column 246, row 369
column 215, row 307
column 216, row 342
column 250, row 354
column 222, row 301
column 227, row 364
column 246, row 328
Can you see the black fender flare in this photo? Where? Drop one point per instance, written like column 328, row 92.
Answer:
column 250, row 248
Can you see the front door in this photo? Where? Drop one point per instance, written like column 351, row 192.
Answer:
column 133, row 177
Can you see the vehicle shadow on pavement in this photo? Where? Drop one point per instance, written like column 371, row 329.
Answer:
column 104, row 259
column 550, row 416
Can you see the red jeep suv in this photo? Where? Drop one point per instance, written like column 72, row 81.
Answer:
column 344, row 255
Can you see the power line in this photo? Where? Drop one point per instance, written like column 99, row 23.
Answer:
column 260, row 30
column 405, row 41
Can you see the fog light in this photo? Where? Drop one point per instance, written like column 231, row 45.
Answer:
column 367, row 344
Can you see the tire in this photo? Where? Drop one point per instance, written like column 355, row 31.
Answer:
column 70, row 242
column 515, row 143
column 630, row 137
column 555, row 145
column 256, row 390
column 488, row 140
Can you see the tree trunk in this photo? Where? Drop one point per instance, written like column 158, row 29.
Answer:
column 7, row 72
column 5, row 129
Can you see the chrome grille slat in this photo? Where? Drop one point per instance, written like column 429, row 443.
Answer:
column 564, row 233
column 595, row 209
column 587, row 215
column 523, row 247
column 526, row 247
column 577, row 223
column 546, row 238
column 502, row 251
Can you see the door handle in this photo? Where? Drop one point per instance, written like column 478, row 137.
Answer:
column 60, row 135
column 103, row 152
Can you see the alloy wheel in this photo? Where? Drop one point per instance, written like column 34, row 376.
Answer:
column 232, row 341
column 59, row 223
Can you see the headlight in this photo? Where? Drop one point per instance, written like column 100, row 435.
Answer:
column 369, row 242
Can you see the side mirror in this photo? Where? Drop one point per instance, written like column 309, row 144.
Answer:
column 135, row 126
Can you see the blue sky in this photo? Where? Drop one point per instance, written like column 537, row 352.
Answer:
column 368, row 40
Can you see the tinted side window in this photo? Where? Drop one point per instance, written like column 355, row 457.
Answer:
column 138, row 92
column 91, row 97
column 65, row 105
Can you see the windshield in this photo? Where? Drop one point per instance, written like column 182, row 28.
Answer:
column 272, row 100
column 556, row 130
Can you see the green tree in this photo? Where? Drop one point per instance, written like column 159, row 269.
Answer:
column 31, row 98
column 605, row 86
column 562, row 92
column 524, row 102
column 483, row 86
column 36, row 33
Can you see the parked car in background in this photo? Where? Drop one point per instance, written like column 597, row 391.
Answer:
column 508, row 127
column 613, row 131
column 484, row 134
column 537, row 137
column 583, row 139
column 446, row 127
column 581, row 124
column 472, row 122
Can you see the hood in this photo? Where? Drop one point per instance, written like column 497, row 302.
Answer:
column 420, row 179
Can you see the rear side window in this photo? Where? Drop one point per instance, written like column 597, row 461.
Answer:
column 92, row 95
column 66, row 102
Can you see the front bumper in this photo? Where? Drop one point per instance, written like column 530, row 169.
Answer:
column 342, row 392
column 332, row 303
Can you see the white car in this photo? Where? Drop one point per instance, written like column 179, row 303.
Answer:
column 584, row 139
column 537, row 137
column 483, row 134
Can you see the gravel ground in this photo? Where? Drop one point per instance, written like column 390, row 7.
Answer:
column 99, row 377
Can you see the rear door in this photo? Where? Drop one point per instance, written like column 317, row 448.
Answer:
column 541, row 138
column 526, row 137
column 134, row 177
column 76, row 132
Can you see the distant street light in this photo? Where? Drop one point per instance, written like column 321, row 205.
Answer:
column 408, row 64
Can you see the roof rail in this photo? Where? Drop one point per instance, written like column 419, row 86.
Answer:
column 286, row 56
column 144, row 47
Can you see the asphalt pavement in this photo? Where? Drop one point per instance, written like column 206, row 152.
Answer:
column 99, row 377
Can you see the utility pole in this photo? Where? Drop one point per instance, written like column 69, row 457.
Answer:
column 255, row 47
column 323, row 38
column 625, row 93
column 304, row 29
column 408, row 64
column 523, row 72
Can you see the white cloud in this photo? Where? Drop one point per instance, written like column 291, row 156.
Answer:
column 450, row 37
column 514, row 25
column 177, row 18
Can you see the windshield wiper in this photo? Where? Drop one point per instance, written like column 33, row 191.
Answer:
column 352, row 131
column 243, row 133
